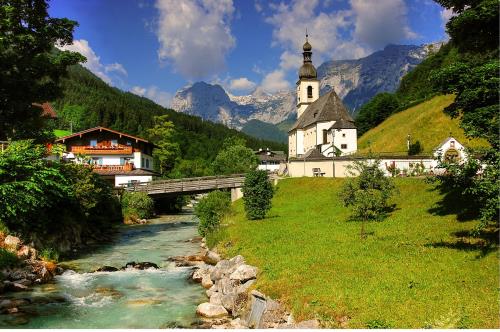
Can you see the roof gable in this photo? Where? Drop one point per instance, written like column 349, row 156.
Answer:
column 100, row 129
column 326, row 108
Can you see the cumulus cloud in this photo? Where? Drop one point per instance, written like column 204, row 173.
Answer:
column 115, row 67
column 93, row 62
column 382, row 22
column 275, row 81
column 241, row 84
column 195, row 36
column 160, row 97
column 446, row 14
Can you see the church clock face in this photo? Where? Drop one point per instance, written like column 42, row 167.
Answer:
column 451, row 155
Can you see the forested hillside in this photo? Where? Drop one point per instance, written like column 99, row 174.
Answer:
column 88, row 101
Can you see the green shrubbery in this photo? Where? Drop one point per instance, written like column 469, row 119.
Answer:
column 137, row 205
column 257, row 194
column 48, row 202
column 210, row 210
column 368, row 193
column 7, row 258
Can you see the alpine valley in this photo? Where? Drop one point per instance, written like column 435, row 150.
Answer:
column 270, row 115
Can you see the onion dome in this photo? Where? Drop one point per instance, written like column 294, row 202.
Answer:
column 307, row 70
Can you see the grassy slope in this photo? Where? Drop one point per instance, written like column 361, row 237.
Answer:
column 312, row 258
column 425, row 122
column 61, row 132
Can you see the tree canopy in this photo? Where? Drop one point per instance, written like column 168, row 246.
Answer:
column 31, row 68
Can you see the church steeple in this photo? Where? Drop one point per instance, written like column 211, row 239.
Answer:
column 307, row 70
column 308, row 84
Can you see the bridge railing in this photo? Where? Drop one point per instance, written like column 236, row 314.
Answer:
column 190, row 184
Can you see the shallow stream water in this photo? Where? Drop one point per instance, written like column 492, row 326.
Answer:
column 150, row 298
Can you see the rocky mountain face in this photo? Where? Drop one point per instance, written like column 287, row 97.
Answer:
column 211, row 102
column 355, row 81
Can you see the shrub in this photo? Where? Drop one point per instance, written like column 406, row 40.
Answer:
column 257, row 194
column 137, row 204
column 415, row 148
column 378, row 324
column 49, row 255
column 210, row 210
column 7, row 258
column 368, row 193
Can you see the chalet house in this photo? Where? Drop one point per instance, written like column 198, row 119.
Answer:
column 270, row 160
column 120, row 158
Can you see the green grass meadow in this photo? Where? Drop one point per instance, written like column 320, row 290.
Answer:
column 418, row 268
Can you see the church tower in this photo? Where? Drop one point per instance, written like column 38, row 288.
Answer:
column 308, row 84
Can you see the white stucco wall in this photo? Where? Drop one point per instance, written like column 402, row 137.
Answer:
column 138, row 160
column 450, row 143
column 270, row 168
column 300, row 142
column 302, row 94
column 292, row 148
column 125, row 179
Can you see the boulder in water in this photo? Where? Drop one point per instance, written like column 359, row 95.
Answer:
column 106, row 268
column 140, row 265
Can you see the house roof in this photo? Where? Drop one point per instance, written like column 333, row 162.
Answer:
column 328, row 107
column 47, row 110
column 80, row 133
column 446, row 140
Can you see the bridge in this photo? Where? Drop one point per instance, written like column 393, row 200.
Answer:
column 187, row 186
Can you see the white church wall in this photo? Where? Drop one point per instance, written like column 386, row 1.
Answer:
column 302, row 96
column 300, row 142
column 292, row 146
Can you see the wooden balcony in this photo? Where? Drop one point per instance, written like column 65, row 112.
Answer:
column 104, row 150
column 108, row 168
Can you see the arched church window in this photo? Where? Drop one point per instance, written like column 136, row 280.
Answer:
column 309, row 91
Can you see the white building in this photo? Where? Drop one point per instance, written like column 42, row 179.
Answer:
column 270, row 161
column 323, row 123
column 119, row 158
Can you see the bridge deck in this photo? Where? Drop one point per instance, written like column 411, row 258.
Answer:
column 190, row 185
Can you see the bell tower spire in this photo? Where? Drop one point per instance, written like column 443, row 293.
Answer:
column 308, row 84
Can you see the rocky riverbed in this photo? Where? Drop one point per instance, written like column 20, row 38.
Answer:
column 232, row 301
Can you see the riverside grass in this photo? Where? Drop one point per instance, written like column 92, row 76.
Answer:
column 425, row 122
column 406, row 274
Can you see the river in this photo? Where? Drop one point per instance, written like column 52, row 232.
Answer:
column 151, row 298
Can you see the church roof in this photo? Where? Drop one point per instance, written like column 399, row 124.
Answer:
column 343, row 124
column 328, row 107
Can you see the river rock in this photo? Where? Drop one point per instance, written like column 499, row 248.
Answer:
column 14, row 286
column 243, row 288
column 106, row 268
column 228, row 301
column 308, row 324
column 26, row 252
column 210, row 310
column 12, row 242
column 244, row 272
column 227, row 286
column 216, row 298
column 24, row 282
column 198, row 274
column 140, row 265
column 224, row 268
column 206, row 282
column 211, row 257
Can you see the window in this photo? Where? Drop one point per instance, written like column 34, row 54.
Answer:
column 114, row 142
column 129, row 143
column 343, row 146
column 96, row 160
column 93, row 142
column 452, row 144
column 122, row 161
column 309, row 91
column 147, row 163
column 142, row 162
column 325, row 136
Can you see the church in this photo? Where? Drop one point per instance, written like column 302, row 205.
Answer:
column 324, row 126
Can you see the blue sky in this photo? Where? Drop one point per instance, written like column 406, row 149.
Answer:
column 155, row 47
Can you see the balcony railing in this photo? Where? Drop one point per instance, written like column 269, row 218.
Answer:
column 120, row 149
column 125, row 168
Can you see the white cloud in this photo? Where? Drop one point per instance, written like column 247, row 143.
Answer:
column 195, row 36
column 275, row 81
column 446, row 14
column 258, row 6
column 381, row 22
column 117, row 67
column 93, row 62
column 241, row 84
column 290, row 60
column 162, row 98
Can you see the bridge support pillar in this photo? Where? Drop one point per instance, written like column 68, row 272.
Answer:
column 236, row 193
